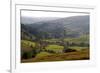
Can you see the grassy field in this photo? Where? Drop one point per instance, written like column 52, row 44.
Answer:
column 27, row 45
column 84, row 38
column 78, row 48
column 54, row 48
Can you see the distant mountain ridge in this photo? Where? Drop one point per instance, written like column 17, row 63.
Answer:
column 31, row 20
column 57, row 28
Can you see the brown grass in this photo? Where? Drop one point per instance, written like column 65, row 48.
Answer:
column 78, row 55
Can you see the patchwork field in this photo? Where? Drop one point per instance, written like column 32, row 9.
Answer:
column 49, row 50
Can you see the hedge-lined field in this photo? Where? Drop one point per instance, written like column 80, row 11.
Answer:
column 54, row 50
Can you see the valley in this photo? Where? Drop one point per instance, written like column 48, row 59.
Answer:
column 60, row 39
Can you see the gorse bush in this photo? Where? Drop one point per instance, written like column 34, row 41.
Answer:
column 29, row 54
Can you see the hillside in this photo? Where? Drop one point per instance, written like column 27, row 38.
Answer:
column 57, row 28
